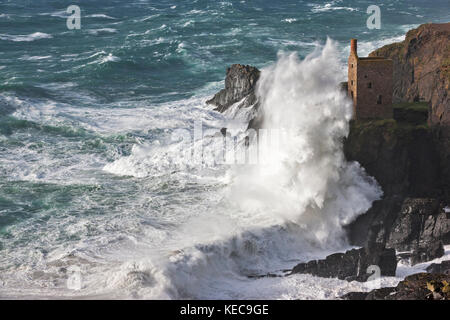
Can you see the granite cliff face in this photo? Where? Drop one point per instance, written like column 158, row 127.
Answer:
column 422, row 68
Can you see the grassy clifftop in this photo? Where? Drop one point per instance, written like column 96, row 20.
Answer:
column 408, row 118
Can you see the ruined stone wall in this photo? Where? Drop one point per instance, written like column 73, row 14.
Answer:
column 374, row 89
column 352, row 80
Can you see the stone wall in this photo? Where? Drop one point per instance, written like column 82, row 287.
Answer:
column 374, row 87
column 370, row 85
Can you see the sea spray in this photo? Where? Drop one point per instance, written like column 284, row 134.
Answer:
column 288, row 208
column 305, row 179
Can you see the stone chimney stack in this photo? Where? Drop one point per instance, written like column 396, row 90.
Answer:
column 354, row 47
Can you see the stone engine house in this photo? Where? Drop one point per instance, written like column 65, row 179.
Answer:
column 370, row 85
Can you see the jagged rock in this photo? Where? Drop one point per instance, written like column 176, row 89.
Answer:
column 375, row 225
column 256, row 122
column 378, row 294
column 421, row 286
column 422, row 68
column 355, row 296
column 440, row 268
column 404, row 159
column 351, row 265
column 421, row 227
column 240, row 83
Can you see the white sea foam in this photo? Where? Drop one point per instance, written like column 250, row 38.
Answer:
column 34, row 58
column 308, row 177
column 330, row 6
column 25, row 38
column 242, row 221
column 102, row 31
column 195, row 232
column 99, row 15
column 271, row 215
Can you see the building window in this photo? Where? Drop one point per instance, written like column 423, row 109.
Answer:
column 352, row 82
column 380, row 99
column 352, row 65
column 352, row 94
column 369, row 85
column 365, row 76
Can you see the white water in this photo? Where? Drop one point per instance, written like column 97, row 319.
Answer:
column 213, row 227
column 271, row 215
column 307, row 179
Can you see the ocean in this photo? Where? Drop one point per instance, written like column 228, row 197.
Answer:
column 97, row 199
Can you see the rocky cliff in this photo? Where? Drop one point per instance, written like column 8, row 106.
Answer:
column 422, row 68
column 408, row 156
column 422, row 73
column 240, row 84
column 403, row 155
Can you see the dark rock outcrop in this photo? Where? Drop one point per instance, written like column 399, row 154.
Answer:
column 442, row 143
column 401, row 156
column 417, row 226
column 375, row 225
column 440, row 268
column 351, row 265
column 240, row 84
column 421, row 227
column 422, row 68
column 421, row 286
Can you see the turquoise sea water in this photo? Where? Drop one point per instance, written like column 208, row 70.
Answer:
column 86, row 175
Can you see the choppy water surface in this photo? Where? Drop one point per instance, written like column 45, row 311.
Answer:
column 90, row 182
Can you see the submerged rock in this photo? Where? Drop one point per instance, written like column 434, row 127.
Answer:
column 351, row 265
